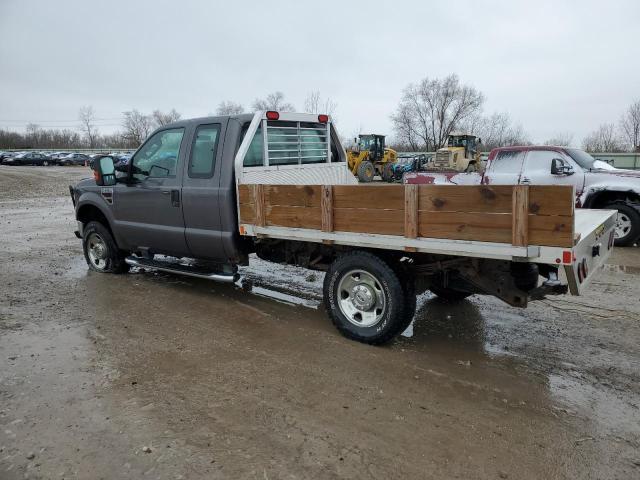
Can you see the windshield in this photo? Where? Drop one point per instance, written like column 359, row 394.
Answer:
column 366, row 142
column 582, row 158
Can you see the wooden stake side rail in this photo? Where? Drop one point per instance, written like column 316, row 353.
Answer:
column 519, row 215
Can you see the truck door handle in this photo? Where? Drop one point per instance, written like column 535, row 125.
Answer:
column 175, row 198
column 525, row 180
column 166, row 192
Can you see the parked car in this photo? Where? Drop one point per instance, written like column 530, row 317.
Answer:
column 6, row 155
column 74, row 159
column 28, row 158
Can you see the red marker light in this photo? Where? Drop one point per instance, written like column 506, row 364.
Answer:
column 323, row 118
column 567, row 256
column 272, row 115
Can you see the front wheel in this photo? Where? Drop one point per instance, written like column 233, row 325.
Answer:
column 627, row 225
column 366, row 171
column 366, row 299
column 100, row 250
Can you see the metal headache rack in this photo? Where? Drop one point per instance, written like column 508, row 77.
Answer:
column 295, row 142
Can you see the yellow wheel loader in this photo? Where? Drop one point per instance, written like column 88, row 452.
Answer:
column 461, row 154
column 369, row 157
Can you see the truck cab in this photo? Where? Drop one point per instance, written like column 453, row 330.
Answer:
column 177, row 195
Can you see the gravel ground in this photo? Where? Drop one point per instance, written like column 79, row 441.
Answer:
column 157, row 376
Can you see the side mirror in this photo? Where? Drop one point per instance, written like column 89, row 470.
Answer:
column 560, row 167
column 104, row 171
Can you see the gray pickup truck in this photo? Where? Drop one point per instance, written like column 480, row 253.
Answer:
column 199, row 196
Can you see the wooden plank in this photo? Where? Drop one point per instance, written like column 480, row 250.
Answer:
column 551, row 230
column 293, row 216
column 377, row 196
column 551, row 200
column 411, row 211
column 483, row 227
column 520, row 217
column 245, row 193
column 247, row 213
column 368, row 220
column 326, row 207
column 258, row 201
column 293, row 195
column 465, row 198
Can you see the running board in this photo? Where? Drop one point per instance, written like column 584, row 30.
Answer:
column 181, row 269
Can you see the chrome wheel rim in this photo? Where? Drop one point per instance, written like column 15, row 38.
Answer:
column 361, row 298
column 97, row 251
column 623, row 226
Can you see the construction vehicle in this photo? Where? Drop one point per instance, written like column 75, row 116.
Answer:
column 461, row 154
column 369, row 157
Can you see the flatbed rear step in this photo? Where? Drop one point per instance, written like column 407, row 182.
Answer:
column 182, row 269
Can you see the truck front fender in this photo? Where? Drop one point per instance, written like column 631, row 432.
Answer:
column 92, row 207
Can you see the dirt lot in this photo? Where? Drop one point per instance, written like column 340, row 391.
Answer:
column 156, row 376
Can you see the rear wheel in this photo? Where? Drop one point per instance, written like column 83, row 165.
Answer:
column 387, row 172
column 100, row 250
column 366, row 299
column 627, row 225
column 366, row 171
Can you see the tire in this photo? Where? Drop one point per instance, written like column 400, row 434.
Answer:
column 100, row 250
column 381, row 306
column 387, row 172
column 449, row 295
column 628, row 232
column 366, row 171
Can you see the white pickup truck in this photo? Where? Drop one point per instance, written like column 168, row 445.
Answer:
column 597, row 184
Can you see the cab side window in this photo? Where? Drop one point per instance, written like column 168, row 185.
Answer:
column 539, row 161
column 158, row 157
column 255, row 153
column 203, row 151
column 507, row 162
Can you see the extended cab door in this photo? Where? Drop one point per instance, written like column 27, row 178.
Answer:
column 504, row 168
column 201, row 202
column 148, row 208
column 537, row 170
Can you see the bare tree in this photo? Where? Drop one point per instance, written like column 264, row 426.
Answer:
column 496, row 130
column 560, row 139
column 87, row 117
column 136, row 127
column 630, row 126
column 160, row 119
column 434, row 107
column 229, row 108
column 604, row 139
column 273, row 101
column 315, row 104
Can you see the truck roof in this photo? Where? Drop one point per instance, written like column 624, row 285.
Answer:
column 526, row 148
column 243, row 117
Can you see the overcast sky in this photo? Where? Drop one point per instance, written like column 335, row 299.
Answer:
column 553, row 66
